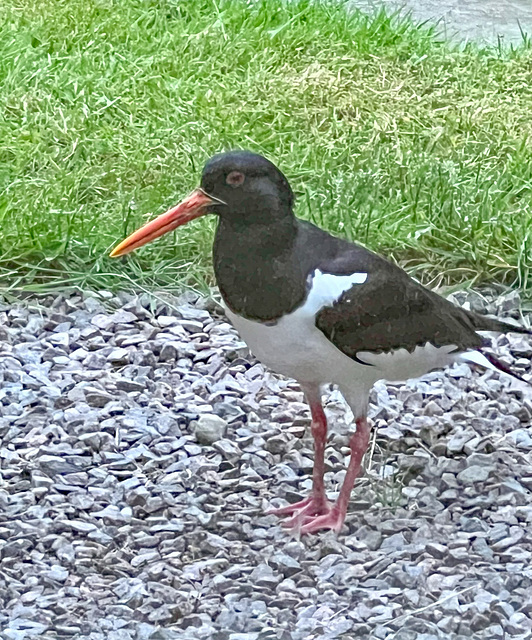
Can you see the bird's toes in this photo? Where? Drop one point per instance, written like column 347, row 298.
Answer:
column 307, row 516
column 332, row 520
column 290, row 509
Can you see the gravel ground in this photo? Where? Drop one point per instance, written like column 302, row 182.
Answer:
column 141, row 443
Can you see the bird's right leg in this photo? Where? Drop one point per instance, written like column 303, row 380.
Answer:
column 316, row 504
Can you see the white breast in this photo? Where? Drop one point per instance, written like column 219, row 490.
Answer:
column 296, row 348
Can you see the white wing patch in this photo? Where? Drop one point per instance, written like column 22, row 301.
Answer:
column 327, row 288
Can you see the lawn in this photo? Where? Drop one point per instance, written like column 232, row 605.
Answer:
column 108, row 110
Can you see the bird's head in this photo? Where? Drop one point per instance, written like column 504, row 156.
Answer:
column 241, row 187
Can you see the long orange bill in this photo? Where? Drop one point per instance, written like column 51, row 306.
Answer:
column 192, row 207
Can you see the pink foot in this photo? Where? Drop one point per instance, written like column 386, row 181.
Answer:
column 316, row 512
column 303, row 510
column 333, row 520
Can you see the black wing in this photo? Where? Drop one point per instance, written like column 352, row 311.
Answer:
column 391, row 311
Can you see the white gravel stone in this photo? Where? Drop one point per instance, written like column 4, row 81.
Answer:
column 475, row 473
column 209, row 428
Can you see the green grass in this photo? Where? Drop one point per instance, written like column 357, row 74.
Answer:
column 109, row 108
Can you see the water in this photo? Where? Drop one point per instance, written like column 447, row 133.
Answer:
column 486, row 21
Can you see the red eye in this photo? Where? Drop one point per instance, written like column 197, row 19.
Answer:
column 235, row 178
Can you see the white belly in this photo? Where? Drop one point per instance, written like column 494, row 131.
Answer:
column 296, row 348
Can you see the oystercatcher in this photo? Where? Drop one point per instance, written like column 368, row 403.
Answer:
column 317, row 308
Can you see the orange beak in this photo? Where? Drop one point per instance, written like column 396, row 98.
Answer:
column 190, row 208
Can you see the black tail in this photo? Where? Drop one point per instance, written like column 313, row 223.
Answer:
column 485, row 323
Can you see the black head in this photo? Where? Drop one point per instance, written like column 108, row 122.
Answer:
column 253, row 189
column 241, row 187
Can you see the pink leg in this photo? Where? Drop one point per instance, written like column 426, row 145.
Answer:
column 335, row 517
column 317, row 503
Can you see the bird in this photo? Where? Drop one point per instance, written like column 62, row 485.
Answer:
column 319, row 309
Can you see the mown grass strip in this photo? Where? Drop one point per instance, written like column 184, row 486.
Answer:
column 108, row 110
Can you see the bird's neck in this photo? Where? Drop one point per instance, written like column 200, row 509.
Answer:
column 254, row 264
